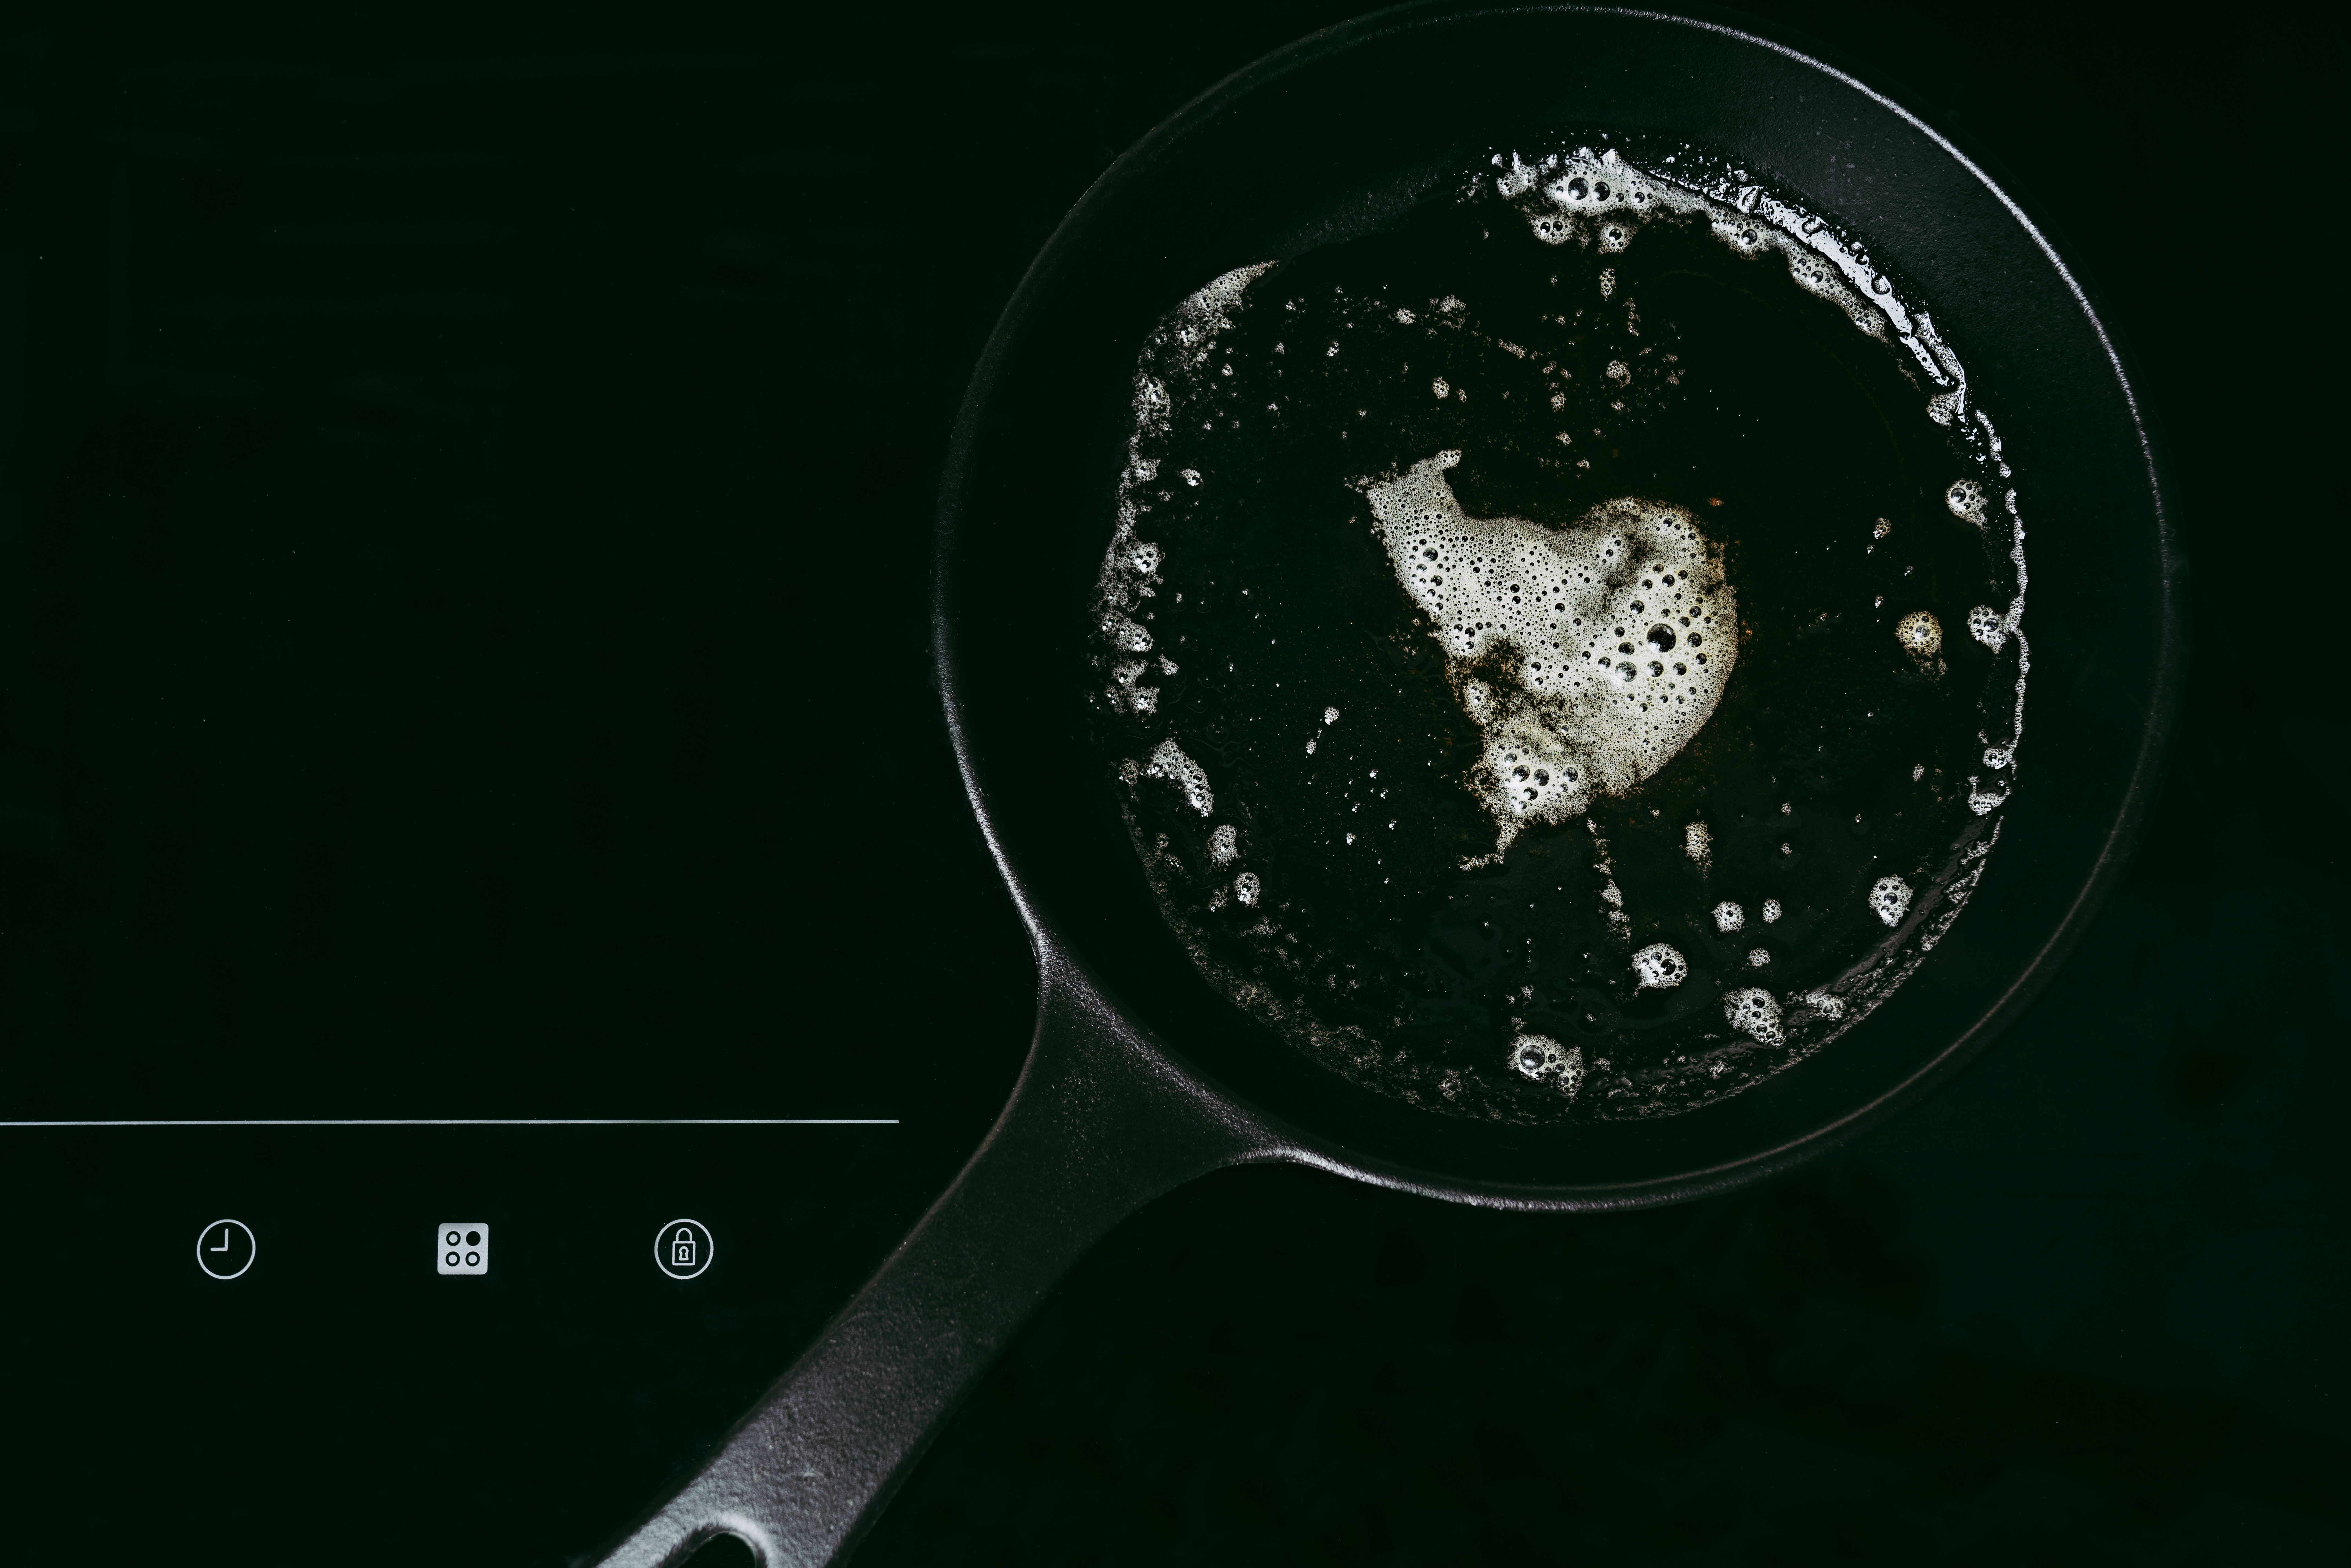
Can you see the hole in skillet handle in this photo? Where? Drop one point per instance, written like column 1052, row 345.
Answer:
column 721, row 1551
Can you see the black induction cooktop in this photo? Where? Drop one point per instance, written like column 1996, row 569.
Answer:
column 493, row 949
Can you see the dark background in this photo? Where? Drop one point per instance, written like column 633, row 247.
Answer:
column 462, row 650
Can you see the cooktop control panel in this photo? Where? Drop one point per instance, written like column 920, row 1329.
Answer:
column 543, row 1327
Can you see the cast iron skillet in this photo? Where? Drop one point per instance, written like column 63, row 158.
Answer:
column 1140, row 1077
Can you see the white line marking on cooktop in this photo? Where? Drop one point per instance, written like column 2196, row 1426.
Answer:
column 495, row 1121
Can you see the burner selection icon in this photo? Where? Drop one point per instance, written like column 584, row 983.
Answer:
column 683, row 1249
column 463, row 1247
column 225, row 1249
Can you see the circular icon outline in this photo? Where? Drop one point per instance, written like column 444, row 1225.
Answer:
column 252, row 1248
column 660, row 1240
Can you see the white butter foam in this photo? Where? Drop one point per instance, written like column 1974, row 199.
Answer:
column 1588, row 657
column 1920, row 634
column 1168, row 762
column 1540, row 1058
column 1579, row 199
column 1660, row 966
column 1754, row 1013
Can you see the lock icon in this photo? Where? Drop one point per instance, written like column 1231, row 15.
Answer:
column 682, row 1248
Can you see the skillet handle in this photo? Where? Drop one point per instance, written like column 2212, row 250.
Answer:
column 1099, row 1124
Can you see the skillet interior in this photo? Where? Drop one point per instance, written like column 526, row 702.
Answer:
column 1387, row 111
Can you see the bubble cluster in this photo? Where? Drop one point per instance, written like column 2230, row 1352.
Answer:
column 1591, row 201
column 1988, row 626
column 1168, row 761
column 1890, row 898
column 1728, row 917
column 1754, row 1013
column 1131, row 568
column 1920, row 634
column 1541, row 1058
column 1659, row 965
column 1588, row 657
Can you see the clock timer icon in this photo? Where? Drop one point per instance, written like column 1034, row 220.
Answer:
column 225, row 1249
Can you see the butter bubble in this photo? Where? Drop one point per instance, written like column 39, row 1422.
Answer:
column 1755, row 1013
column 1660, row 966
